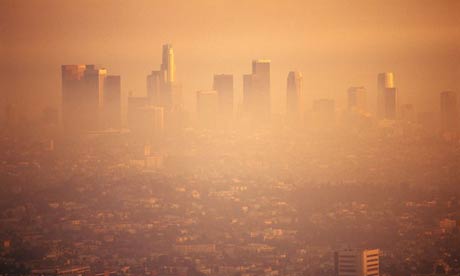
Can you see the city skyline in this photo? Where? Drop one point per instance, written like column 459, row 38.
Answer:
column 230, row 138
column 80, row 82
column 311, row 50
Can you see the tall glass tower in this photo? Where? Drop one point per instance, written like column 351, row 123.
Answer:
column 167, row 65
column 386, row 96
column 294, row 102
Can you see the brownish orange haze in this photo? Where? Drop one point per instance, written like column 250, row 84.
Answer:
column 336, row 44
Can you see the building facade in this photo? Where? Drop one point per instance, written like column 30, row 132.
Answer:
column 355, row 262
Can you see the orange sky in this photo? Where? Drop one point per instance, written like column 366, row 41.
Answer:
column 336, row 44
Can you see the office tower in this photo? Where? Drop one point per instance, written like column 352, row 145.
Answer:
column 154, row 118
column 354, row 262
column 174, row 96
column 112, row 102
column 94, row 82
column 449, row 110
column 261, row 85
column 167, row 64
column 162, row 88
column 256, row 91
column 207, row 104
column 223, row 84
column 386, row 96
column 168, row 95
column 155, row 84
column 82, row 97
column 72, row 77
column 157, row 113
column 389, row 107
column 357, row 101
column 294, row 101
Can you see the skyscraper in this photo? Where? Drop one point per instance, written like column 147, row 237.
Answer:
column 261, row 85
column 354, row 262
column 357, row 101
column 449, row 110
column 294, row 101
column 155, row 83
column 357, row 115
column 72, row 87
column 386, row 96
column 167, row 64
column 82, row 97
column 162, row 88
column 94, row 82
column 155, row 119
column 389, row 107
column 223, row 84
column 256, row 90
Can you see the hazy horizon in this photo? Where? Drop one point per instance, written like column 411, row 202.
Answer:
column 198, row 176
column 335, row 44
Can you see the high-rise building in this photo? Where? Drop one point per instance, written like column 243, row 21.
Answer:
column 207, row 104
column 223, row 84
column 155, row 120
column 162, row 88
column 294, row 101
column 82, row 97
column 72, row 87
column 261, row 85
column 449, row 110
column 389, row 107
column 256, row 90
column 357, row 101
column 354, row 262
column 94, row 82
column 167, row 64
column 112, row 102
column 386, row 96
column 174, row 98
column 155, row 84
